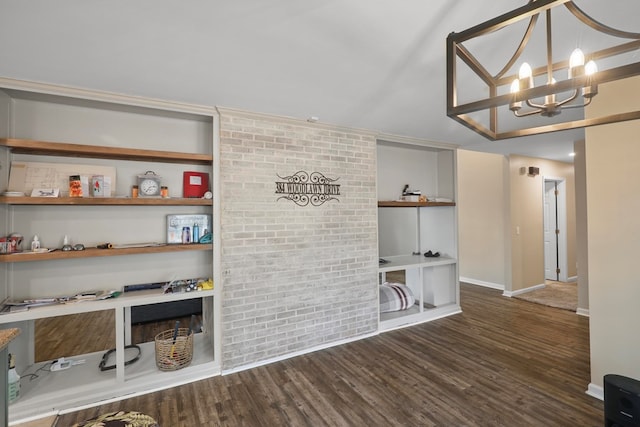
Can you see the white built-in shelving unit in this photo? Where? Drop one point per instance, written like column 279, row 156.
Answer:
column 407, row 230
column 52, row 124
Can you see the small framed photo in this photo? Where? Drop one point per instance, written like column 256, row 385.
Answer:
column 197, row 226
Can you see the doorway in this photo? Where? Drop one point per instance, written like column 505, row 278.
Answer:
column 555, row 229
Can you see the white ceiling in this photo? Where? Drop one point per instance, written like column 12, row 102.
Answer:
column 359, row 63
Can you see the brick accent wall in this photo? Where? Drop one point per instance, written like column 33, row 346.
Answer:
column 294, row 277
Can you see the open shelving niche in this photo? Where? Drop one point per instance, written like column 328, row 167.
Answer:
column 46, row 123
column 406, row 230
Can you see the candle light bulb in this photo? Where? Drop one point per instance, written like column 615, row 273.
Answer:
column 515, row 86
column 576, row 64
column 576, row 59
column 525, row 71
column 525, row 74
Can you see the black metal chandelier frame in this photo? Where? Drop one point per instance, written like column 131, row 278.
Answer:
column 456, row 49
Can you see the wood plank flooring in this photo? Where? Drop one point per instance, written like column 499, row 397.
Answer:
column 59, row 336
column 502, row 362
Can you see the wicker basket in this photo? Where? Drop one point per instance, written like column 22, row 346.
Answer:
column 170, row 356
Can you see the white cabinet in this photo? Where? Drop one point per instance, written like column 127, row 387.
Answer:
column 57, row 125
column 407, row 230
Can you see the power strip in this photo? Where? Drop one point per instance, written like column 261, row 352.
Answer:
column 62, row 364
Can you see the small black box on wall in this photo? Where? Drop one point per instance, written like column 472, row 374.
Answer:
column 533, row 171
column 621, row 401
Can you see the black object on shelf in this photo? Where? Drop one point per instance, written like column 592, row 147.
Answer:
column 165, row 310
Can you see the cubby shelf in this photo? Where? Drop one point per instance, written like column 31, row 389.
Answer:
column 86, row 382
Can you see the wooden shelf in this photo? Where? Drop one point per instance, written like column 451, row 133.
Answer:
column 402, row 204
column 105, row 201
column 45, row 148
column 57, row 254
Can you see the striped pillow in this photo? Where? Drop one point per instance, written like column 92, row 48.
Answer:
column 395, row 297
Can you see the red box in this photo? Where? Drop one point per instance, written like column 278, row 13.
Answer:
column 194, row 184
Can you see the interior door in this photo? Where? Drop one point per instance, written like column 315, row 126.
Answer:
column 550, row 234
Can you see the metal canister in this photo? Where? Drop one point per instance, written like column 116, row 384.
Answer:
column 196, row 233
column 186, row 235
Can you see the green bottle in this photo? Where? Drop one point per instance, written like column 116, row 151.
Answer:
column 13, row 379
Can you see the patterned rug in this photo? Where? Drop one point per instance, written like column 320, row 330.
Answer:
column 562, row 295
column 120, row 419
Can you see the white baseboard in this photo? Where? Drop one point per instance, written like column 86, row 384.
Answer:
column 35, row 418
column 522, row 291
column 572, row 279
column 583, row 312
column 482, row 283
column 595, row 391
column 296, row 353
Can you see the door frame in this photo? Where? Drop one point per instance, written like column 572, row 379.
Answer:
column 561, row 206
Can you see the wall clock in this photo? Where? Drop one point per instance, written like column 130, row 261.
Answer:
column 149, row 184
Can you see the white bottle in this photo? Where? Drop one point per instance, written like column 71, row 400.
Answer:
column 35, row 244
column 13, row 379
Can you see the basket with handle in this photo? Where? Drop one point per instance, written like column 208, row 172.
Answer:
column 173, row 354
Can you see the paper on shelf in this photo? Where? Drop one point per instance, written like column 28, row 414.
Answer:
column 25, row 176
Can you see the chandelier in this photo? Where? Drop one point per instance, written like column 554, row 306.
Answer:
column 535, row 91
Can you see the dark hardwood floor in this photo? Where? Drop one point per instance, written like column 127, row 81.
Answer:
column 502, row 362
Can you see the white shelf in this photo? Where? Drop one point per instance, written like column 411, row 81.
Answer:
column 85, row 384
column 402, row 262
column 435, row 296
column 126, row 299
column 146, row 369
column 414, row 316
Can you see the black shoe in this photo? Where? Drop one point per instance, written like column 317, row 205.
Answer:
column 430, row 254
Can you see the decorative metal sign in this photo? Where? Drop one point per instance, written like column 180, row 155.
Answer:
column 303, row 188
